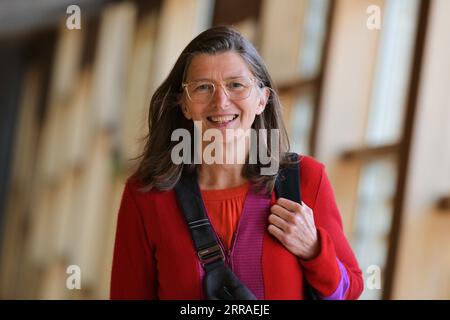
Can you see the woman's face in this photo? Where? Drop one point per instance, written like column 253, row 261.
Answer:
column 225, row 70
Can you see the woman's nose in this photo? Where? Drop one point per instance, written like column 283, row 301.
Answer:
column 221, row 98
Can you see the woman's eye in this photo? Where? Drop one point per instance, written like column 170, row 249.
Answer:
column 236, row 85
column 203, row 87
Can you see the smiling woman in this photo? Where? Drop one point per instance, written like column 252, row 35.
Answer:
column 234, row 105
column 217, row 230
column 203, row 86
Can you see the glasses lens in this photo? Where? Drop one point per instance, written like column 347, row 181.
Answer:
column 200, row 92
column 239, row 88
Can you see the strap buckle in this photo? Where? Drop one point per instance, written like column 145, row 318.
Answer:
column 211, row 254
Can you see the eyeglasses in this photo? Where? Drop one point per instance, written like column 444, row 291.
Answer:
column 203, row 91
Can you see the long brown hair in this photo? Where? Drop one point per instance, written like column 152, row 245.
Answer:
column 156, row 170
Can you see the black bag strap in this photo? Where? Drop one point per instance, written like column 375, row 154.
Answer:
column 205, row 241
column 287, row 184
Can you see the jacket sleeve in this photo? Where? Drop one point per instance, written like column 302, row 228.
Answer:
column 133, row 273
column 334, row 274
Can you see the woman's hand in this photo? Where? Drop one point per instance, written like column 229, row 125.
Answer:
column 293, row 225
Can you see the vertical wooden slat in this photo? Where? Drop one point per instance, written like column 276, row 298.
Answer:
column 95, row 188
column 133, row 123
column 102, row 288
column 111, row 62
column 320, row 79
column 281, row 44
column 405, row 146
column 22, row 171
column 179, row 22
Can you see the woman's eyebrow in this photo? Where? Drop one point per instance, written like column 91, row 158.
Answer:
column 200, row 79
column 236, row 77
column 211, row 80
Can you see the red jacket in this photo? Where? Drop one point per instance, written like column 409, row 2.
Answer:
column 154, row 256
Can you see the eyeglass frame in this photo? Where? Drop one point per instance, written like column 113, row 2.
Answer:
column 185, row 84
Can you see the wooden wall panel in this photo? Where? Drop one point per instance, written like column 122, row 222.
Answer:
column 134, row 115
column 281, row 43
column 423, row 268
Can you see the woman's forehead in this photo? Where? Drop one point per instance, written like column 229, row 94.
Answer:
column 222, row 65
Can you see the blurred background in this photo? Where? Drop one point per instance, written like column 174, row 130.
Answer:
column 365, row 87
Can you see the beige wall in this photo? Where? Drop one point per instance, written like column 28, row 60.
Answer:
column 179, row 23
column 346, row 94
column 423, row 265
column 423, row 262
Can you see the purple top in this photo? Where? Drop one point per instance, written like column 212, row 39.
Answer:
column 246, row 253
column 342, row 288
column 245, row 257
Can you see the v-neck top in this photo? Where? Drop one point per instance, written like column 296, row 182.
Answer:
column 224, row 209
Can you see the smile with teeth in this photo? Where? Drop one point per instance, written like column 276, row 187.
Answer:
column 223, row 119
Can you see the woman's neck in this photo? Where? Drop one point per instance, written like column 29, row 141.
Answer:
column 220, row 176
column 225, row 175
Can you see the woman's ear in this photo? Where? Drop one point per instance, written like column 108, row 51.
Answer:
column 185, row 111
column 264, row 94
column 184, row 107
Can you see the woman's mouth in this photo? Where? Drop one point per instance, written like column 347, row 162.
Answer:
column 222, row 120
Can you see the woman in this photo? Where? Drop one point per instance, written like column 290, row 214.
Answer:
column 221, row 84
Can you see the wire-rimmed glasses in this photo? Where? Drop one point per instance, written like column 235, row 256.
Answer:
column 203, row 91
